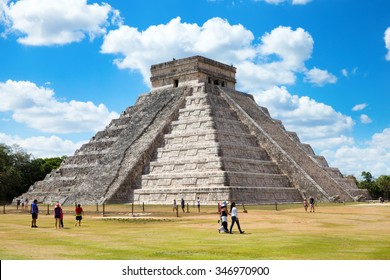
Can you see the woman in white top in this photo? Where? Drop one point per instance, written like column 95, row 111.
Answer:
column 233, row 211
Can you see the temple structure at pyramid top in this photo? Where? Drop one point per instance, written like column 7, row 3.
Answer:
column 193, row 136
column 180, row 72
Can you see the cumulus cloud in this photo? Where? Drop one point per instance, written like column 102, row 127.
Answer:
column 365, row 119
column 56, row 22
column 320, row 77
column 41, row 146
column 387, row 43
column 359, row 107
column 376, row 154
column 38, row 108
column 312, row 120
column 216, row 38
column 275, row 60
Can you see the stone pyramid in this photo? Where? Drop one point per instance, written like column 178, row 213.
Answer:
column 194, row 136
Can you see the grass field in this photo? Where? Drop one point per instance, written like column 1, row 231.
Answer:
column 333, row 232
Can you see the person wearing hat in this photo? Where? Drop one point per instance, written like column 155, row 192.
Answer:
column 57, row 215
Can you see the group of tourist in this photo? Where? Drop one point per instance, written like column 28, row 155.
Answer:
column 58, row 215
column 182, row 204
column 307, row 203
column 223, row 213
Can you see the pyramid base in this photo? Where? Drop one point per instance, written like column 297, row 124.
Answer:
column 213, row 195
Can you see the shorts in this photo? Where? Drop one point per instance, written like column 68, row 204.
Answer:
column 79, row 218
column 57, row 216
column 34, row 215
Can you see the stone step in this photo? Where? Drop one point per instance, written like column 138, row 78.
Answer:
column 249, row 165
column 212, row 163
column 180, row 164
column 202, row 123
column 189, row 112
column 108, row 133
column 162, row 180
column 237, row 150
column 214, row 178
column 248, row 179
column 85, row 159
column 199, row 149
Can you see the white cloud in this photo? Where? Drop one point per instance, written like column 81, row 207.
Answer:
column 347, row 73
column 310, row 119
column 365, row 119
column 359, row 107
column 320, row 77
column 293, row 47
column 42, row 147
column 276, row 60
column 56, row 22
column 373, row 156
column 387, row 43
column 38, row 108
column 216, row 38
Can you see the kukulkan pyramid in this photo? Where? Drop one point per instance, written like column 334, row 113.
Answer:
column 193, row 135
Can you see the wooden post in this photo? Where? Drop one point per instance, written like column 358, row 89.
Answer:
column 276, row 205
column 4, row 208
column 97, row 207
column 188, row 209
column 104, row 208
column 244, row 208
column 143, row 206
column 48, row 211
column 177, row 211
column 132, row 209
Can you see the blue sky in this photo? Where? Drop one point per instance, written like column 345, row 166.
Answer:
column 67, row 67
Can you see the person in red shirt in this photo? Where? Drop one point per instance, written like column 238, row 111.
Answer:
column 79, row 214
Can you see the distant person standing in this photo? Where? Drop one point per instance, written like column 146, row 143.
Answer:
column 198, row 202
column 311, row 201
column 62, row 217
column 57, row 215
column 34, row 213
column 174, row 205
column 182, row 204
column 305, row 204
column 79, row 214
column 234, row 214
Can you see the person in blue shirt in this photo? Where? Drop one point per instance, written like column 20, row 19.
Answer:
column 34, row 213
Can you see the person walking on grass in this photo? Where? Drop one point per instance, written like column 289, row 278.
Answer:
column 34, row 213
column 57, row 215
column 234, row 214
column 79, row 214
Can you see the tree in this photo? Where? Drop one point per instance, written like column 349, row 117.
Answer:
column 370, row 184
column 19, row 170
column 383, row 182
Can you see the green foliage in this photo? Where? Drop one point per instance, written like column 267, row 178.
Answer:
column 18, row 171
column 376, row 187
column 383, row 183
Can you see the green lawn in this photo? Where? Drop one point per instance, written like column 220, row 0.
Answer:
column 335, row 231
